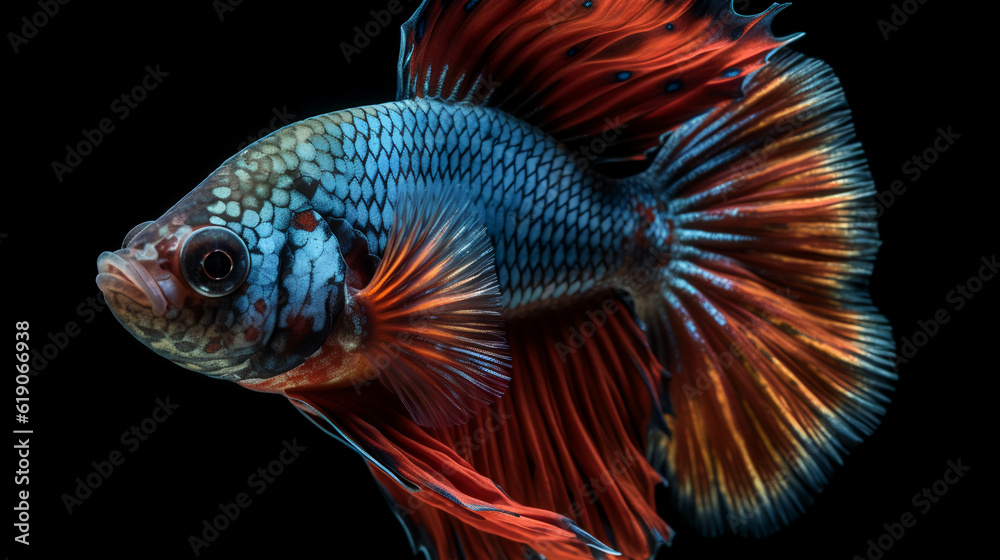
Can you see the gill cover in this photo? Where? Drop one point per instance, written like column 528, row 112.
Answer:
column 310, row 295
column 200, row 297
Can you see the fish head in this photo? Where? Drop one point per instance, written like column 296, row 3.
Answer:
column 229, row 282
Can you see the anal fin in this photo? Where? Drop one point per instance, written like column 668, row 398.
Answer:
column 555, row 469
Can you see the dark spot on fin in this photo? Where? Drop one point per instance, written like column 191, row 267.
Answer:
column 588, row 4
column 470, row 5
column 672, row 86
column 624, row 75
column 578, row 47
column 421, row 28
column 670, row 26
column 731, row 72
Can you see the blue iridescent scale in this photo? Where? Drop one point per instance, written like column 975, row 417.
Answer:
column 558, row 228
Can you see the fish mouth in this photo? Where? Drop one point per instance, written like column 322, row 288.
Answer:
column 119, row 275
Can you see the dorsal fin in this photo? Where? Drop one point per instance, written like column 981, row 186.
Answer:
column 583, row 69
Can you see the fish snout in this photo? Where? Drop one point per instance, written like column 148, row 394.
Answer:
column 119, row 273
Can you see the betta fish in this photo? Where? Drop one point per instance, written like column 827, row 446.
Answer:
column 592, row 248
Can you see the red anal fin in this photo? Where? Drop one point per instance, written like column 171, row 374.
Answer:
column 413, row 462
column 579, row 417
column 578, row 69
column 557, row 466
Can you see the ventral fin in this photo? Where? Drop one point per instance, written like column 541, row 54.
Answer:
column 625, row 71
column 433, row 333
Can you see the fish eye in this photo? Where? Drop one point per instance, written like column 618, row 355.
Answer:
column 215, row 261
column 134, row 232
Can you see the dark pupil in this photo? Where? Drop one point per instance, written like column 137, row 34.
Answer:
column 217, row 265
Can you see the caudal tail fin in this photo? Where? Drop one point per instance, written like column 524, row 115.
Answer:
column 762, row 317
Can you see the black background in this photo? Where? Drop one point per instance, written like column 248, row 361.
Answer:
column 225, row 79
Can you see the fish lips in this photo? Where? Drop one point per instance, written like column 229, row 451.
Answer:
column 121, row 276
column 146, row 305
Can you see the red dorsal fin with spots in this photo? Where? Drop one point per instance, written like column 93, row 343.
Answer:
column 633, row 69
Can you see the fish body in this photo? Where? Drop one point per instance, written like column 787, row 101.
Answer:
column 470, row 259
column 559, row 230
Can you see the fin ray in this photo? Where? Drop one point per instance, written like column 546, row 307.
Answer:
column 433, row 331
column 779, row 359
column 556, row 468
column 569, row 66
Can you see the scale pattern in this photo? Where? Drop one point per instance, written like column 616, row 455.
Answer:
column 559, row 230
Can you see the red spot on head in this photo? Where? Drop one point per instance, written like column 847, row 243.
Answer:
column 260, row 305
column 305, row 221
column 212, row 347
column 251, row 334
